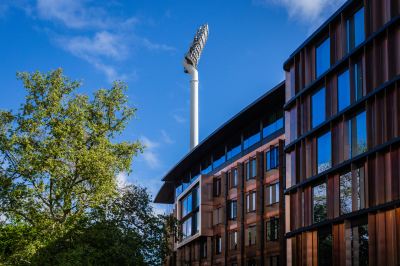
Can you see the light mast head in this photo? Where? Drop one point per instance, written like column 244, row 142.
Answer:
column 193, row 54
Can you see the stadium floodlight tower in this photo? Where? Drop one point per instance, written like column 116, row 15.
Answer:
column 190, row 63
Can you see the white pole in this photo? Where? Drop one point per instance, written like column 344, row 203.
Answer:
column 194, row 104
column 194, row 109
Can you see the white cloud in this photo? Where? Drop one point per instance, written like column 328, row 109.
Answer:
column 166, row 138
column 149, row 155
column 179, row 119
column 74, row 14
column 91, row 32
column 308, row 11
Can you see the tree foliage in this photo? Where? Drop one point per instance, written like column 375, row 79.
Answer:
column 58, row 191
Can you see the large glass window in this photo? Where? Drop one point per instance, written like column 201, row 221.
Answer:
column 355, row 137
column 251, row 235
column 345, row 193
column 219, row 157
column 196, row 193
column 234, row 147
column 273, row 229
column 272, row 194
column 324, row 152
column 325, row 247
column 359, row 242
column 319, row 203
column 233, row 210
column 343, row 90
column 272, row 159
column 206, row 166
column 272, row 123
column 352, row 188
column 233, row 178
column 187, row 228
column 251, row 201
column 323, row 61
column 217, row 187
column 359, row 134
column 186, row 205
column 233, row 238
column 355, row 30
column 251, row 169
column 252, row 135
column 318, row 109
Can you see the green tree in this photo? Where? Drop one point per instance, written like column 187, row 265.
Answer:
column 59, row 159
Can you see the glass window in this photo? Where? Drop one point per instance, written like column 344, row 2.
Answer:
column 359, row 243
column 358, row 81
column 251, row 201
column 272, row 194
column 272, row 123
column 218, row 244
column 233, row 210
column 343, row 90
column 219, row 157
column 234, row 147
column 359, row 134
column 352, row 189
column 186, row 205
column 178, row 190
column 234, row 178
column 273, row 229
column 319, row 203
column 233, row 240
column 217, row 187
column 345, row 193
column 196, row 193
column 318, row 109
column 187, row 228
column 251, row 169
column 322, row 57
column 252, row 136
column 324, row 151
column 251, row 235
column 355, row 30
column 206, row 166
column 325, row 247
column 272, row 159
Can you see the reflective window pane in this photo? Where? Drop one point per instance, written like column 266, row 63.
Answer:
column 323, row 57
column 325, row 247
column 319, row 203
column 345, row 193
column 359, row 31
column 324, row 151
column 318, row 107
column 359, row 132
column 343, row 90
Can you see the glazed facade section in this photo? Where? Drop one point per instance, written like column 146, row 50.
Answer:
column 342, row 114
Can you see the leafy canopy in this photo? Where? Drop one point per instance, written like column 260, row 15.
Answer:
column 58, row 190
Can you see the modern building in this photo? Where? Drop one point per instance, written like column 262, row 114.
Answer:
column 227, row 194
column 320, row 186
column 342, row 117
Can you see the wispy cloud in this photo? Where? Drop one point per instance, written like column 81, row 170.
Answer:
column 166, row 137
column 308, row 11
column 150, row 155
column 91, row 32
column 179, row 119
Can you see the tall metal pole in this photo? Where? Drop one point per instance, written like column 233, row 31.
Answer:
column 190, row 66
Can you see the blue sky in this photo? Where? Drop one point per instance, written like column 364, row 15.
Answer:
column 143, row 42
